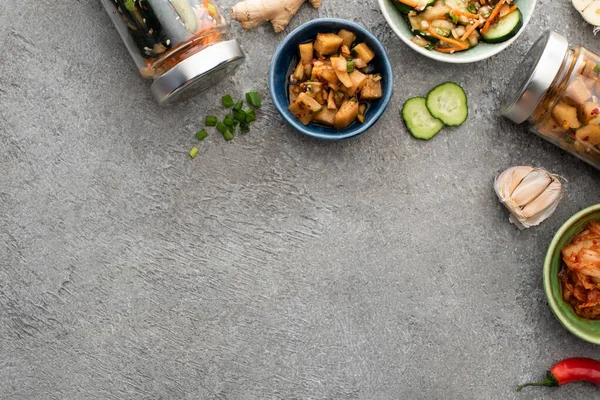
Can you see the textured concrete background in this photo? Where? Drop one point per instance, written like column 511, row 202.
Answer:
column 272, row 267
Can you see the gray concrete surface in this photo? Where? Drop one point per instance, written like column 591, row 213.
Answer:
column 272, row 267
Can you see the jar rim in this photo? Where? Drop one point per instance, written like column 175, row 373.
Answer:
column 534, row 76
column 197, row 72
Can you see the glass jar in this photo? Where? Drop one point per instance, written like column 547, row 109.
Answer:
column 180, row 44
column 556, row 89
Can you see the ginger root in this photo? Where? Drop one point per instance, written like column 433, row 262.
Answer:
column 252, row 13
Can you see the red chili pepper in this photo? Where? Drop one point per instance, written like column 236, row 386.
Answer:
column 570, row 370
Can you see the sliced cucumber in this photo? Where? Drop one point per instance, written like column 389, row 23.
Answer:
column 505, row 28
column 428, row 36
column 448, row 103
column 418, row 120
column 405, row 9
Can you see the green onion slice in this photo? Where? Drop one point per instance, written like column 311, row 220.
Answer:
column 201, row 135
column 253, row 98
column 211, row 120
column 227, row 135
column 250, row 116
column 229, row 120
column 227, row 101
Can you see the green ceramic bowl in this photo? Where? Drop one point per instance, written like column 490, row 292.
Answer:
column 397, row 21
column 586, row 329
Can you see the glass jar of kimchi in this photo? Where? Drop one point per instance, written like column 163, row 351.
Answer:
column 181, row 45
column 556, row 89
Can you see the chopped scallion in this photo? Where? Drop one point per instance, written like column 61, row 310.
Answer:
column 228, row 121
column 221, row 127
column 239, row 115
column 244, row 128
column 238, row 105
column 350, row 66
column 227, row 135
column 194, row 152
column 201, row 135
column 227, row 101
column 211, row 121
column 130, row 5
column 250, row 116
column 253, row 98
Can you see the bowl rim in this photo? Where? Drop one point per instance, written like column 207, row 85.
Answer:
column 447, row 58
column 359, row 129
column 547, row 279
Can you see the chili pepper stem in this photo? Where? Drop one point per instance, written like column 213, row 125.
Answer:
column 550, row 381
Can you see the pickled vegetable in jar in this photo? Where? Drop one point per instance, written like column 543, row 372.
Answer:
column 180, row 44
column 556, row 89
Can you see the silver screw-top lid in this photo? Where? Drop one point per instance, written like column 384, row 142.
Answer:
column 198, row 72
column 534, row 76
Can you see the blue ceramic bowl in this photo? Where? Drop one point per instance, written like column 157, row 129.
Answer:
column 287, row 52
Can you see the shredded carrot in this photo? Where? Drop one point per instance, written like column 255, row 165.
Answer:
column 470, row 30
column 512, row 9
column 449, row 49
column 466, row 14
column 410, row 3
column 492, row 17
column 433, row 33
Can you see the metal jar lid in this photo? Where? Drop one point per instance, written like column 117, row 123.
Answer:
column 198, row 72
column 534, row 76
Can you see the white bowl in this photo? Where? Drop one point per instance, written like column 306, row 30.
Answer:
column 397, row 21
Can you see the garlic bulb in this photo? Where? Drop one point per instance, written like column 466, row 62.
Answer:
column 590, row 11
column 530, row 194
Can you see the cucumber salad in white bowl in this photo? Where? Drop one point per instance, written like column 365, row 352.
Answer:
column 458, row 31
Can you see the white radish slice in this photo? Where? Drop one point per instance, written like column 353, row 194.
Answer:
column 592, row 13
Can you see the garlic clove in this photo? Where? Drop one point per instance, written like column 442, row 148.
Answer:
column 531, row 187
column 508, row 181
column 537, row 219
column 592, row 13
column 549, row 197
column 581, row 5
column 530, row 194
